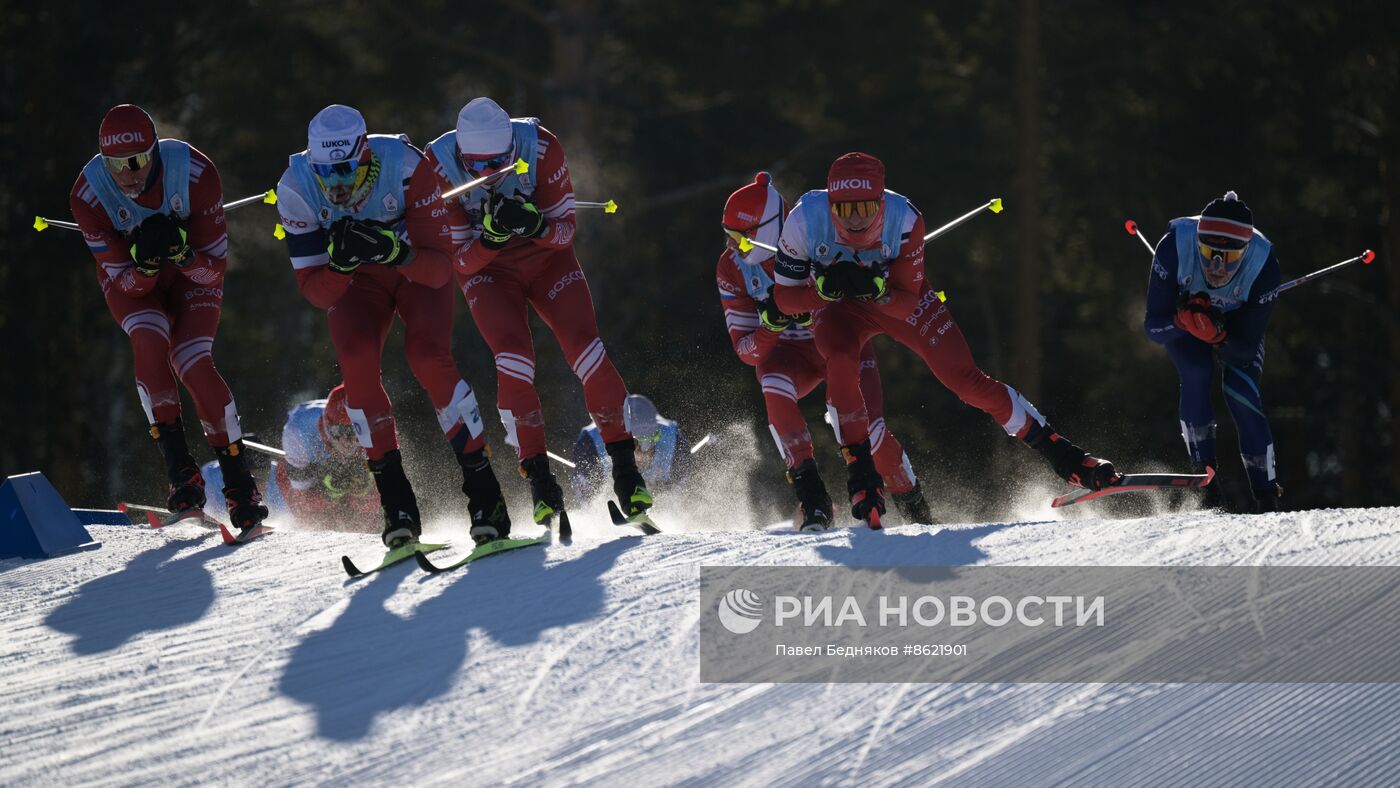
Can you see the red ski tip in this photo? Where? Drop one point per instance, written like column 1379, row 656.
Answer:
column 1367, row 256
column 1210, row 476
column 121, row 507
column 874, row 521
column 1130, row 226
column 153, row 520
column 228, row 537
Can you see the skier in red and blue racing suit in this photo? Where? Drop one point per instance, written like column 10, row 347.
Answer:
column 853, row 254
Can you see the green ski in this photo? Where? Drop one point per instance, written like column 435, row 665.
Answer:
column 490, row 548
column 394, row 556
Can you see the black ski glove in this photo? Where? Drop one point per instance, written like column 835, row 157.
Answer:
column 517, row 216
column 156, row 241
column 353, row 242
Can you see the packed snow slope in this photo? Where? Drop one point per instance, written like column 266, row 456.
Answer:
column 165, row 657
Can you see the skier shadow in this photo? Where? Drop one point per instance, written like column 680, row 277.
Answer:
column 913, row 554
column 154, row 591
column 371, row 661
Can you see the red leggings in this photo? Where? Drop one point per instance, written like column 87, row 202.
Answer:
column 172, row 334
column 360, row 323
column 553, row 283
column 790, row 373
column 846, row 327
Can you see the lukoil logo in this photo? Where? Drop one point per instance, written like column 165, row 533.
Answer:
column 849, row 183
column 740, row 611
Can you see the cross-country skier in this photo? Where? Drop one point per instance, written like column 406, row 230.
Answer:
column 663, row 450
column 783, row 353
column 855, row 252
column 1210, row 292
column 367, row 237
column 516, row 250
column 152, row 213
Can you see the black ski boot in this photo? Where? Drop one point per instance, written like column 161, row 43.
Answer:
column 402, row 523
column 1070, row 462
column 1267, row 499
column 813, row 502
column 490, row 519
column 863, row 482
column 186, row 483
column 912, row 506
column 245, row 506
column 544, row 489
column 628, row 484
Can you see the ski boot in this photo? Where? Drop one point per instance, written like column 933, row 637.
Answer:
column 912, row 506
column 1212, row 496
column 863, row 482
column 544, row 489
column 402, row 523
column 245, row 506
column 813, row 502
column 186, row 483
column 1070, row 462
column 631, row 489
column 1267, row 499
column 490, row 519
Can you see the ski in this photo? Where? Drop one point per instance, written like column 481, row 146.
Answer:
column 244, row 536
column 1131, row 482
column 873, row 521
column 565, row 530
column 481, row 551
column 394, row 556
column 160, row 518
column 641, row 520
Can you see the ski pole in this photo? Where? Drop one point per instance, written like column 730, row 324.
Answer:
column 1132, row 228
column 519, row 168
column 993, row 205
column 42, row 223
column 701, row 444
column 264, row 448
column 1365, row 258
column 560, row 460
column 608, row 207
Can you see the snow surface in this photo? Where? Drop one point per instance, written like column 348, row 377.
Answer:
column 167, row 657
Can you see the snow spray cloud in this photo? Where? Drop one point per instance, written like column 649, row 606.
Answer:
column 1049, row 624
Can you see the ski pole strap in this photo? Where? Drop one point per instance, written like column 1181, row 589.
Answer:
column 1365, row 257
column 993, row 205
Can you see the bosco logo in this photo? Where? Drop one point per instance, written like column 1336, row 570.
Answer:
column 569, row 278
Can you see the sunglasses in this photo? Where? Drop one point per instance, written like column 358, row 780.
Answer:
column 481, row 163
column 862, row 208
column 136, row 162
column 337, row 173
column 1220, row 260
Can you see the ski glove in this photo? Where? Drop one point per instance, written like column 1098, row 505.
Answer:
column 833, row 282
column 772, row 318
column 518, row 217
column 867, row 284
column 156, row 241
column 354, row 242
column 1196, row 317
column 493, row 236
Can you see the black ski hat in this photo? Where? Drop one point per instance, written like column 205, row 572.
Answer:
column 1227, row 220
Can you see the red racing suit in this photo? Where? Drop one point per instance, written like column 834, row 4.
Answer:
column 360, row 306
column 911, row 312
column 170, row 318
column 788, row 368
column 501, row 284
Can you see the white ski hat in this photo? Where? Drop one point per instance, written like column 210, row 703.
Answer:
column 483, row 128
column 335, row 134
column 639, row 415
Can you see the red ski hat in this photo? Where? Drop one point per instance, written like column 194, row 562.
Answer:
column 855, row 177
column 126, row 130
column 754, row 205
